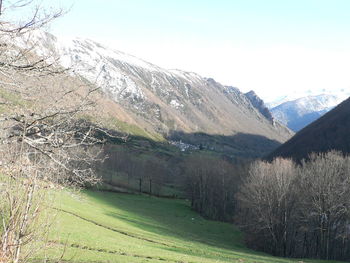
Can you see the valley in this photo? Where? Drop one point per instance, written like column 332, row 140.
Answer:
column 106, row 157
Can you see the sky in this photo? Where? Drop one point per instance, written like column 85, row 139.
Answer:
column 274, row 47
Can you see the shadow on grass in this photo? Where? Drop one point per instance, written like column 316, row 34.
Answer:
column 175, row 219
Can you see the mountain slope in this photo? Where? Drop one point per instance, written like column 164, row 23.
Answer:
column 330, row 132
column 161, row 100
column 158, row 103
column 167, row 99
column 298, row 113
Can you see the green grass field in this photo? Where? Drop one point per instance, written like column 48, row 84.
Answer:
column 110, row 227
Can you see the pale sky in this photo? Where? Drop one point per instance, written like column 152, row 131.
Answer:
column 274, row 47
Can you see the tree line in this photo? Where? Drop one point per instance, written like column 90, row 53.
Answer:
column 298, row 210
column 284, row 208
column 135, row 171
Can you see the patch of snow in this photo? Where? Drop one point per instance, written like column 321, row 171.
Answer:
column 189, row 76
column 175, row 104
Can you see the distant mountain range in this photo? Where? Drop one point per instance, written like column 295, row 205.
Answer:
column 292, row 95
column 170, row 102
column 329, row 132
column 298, row 113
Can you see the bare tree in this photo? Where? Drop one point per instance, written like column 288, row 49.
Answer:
column 268, row 201
column 45, row 139
column 298, row 211
column 154, row 171
column 24, row 196
column 211, row 185
column 325, row 204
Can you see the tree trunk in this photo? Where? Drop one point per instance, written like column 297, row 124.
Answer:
column 140, row 185
column 150, row 186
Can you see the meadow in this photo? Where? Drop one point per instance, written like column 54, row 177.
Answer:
column 95, row 226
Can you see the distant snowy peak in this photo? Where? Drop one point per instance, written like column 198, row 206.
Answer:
column 341, row 94
column 317, row 103
column 311, row 103
column 298, row 113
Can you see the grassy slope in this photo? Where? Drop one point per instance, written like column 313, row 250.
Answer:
column 109, row 227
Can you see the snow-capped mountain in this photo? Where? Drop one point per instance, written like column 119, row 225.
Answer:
column 165, row 99
column 298, row 113
column 166, row 103
column 342, row 94
column 330, row 132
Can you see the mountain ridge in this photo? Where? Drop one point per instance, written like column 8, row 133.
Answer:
column 165, row 95
column 162, row 102
column 329, row 132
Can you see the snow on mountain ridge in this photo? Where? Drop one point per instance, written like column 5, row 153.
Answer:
column 317, row 103
column 110, row 69
column 140, row 85
column 298, row 113
column 158, row 100
column 97, row 64
column 92, row 47
column 342, row 94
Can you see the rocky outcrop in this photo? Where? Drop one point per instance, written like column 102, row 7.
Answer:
column 259, row 104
